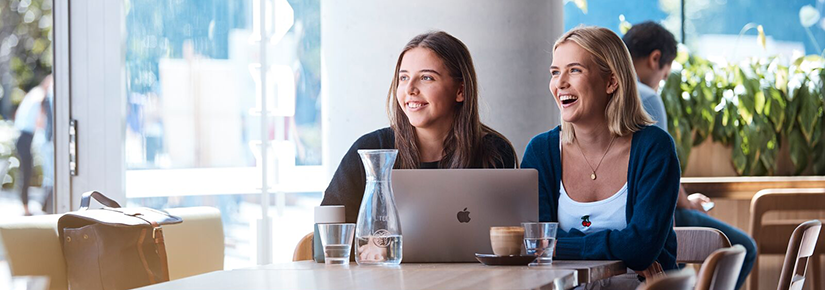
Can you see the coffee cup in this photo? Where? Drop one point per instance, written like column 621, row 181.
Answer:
column 506, row 241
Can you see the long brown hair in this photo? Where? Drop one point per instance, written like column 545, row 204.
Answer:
column 464, row 146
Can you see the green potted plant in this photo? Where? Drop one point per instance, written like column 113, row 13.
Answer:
column 754, row 107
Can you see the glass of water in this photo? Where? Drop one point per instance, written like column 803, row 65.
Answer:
column 540, row 241
column 337, row 242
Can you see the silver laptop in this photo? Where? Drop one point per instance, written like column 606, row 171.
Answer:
column 446, row 214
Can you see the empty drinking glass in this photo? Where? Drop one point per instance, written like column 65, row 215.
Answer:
column 540, row 241
column 337, row 242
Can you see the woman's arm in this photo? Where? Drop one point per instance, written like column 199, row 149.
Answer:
column 537, row 156
column 347, row 185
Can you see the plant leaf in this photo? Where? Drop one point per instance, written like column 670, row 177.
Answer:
column 818, row 156
column 792, row 111
column 807, row 112
column 775, row 108
column 758, row 169
column 769, row 149
column 738, row 155
column 808, row 16
column 582, row 4
column 798, row 150
column 759, row 102
column 761, row 38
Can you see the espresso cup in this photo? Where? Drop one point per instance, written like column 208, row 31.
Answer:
column 506, row 241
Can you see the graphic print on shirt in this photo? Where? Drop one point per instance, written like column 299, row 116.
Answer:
column 586, row 221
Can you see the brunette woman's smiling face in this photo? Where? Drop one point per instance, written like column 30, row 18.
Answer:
column 426, row 92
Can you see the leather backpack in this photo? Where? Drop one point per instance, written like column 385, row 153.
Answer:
column 113, row 248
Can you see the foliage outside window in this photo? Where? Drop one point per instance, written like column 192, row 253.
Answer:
column 25, row 49
column 25, row 59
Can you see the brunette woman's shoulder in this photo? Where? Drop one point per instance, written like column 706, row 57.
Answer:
column 383, row 138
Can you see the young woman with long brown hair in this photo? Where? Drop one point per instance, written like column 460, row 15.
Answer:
column 432, row 105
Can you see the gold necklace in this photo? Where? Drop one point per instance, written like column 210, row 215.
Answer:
column 593, row 174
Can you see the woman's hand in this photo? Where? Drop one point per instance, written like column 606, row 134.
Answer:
column 696, row 200
column 655, row 270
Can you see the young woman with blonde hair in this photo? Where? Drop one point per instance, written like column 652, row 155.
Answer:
column 609, row 178
column 434, row 122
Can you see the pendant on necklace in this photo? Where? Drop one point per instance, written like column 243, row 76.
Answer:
column 593, row 176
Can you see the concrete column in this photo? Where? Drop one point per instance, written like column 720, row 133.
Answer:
column 511, row 43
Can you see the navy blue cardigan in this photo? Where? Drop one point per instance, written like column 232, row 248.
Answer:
column 653, row 176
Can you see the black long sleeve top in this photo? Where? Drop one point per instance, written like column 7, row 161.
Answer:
column 347, row 185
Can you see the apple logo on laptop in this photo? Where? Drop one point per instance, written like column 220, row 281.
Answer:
column 463, row 216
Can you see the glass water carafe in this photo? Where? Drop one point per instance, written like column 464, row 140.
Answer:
column 378, row 231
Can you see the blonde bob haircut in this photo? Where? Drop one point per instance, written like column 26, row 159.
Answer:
column 624, row 111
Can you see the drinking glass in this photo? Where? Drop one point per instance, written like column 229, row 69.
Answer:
column 540, row 241
column 337, row 242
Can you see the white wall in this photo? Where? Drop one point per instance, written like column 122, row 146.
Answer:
column 510, row 41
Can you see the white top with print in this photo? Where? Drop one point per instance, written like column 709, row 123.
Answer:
column 591, row 217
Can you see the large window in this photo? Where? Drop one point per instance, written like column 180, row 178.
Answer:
column 712, row 28
column 208, row 82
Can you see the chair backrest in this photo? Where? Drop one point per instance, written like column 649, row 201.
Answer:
column 33, row 248
column 721, row 269
column 697, row 243
column 800, row 249
column 786, row 199
column 195, row 246
column 677, row 280
column 303, row 251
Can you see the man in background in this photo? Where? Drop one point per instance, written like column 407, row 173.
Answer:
column 653, row 49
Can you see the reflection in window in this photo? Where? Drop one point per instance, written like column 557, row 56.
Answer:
column 712, row 28
column 193, row 116
column 610, row 14
column 192, row 78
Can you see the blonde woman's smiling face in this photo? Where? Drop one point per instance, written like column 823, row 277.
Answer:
column 426, row 92
column 577, row 84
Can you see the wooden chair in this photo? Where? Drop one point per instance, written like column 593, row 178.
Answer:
column 772, row 236
column 679, row 280
column 800, row 249
column 721, row 269
column 303, row 251
column 697, row 243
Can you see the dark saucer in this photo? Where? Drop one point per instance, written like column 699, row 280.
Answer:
column 494, row 260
